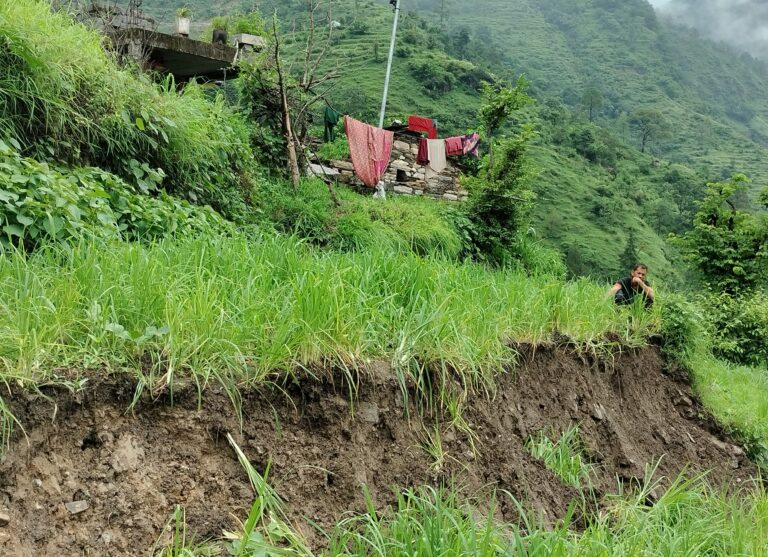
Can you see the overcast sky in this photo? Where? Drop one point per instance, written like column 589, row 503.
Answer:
column 741, row 23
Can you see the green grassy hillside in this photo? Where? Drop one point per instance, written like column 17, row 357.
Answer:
column 713, row 97
column 710, row 99
column 581, row 208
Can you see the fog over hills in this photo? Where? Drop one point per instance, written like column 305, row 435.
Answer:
column 741, row 23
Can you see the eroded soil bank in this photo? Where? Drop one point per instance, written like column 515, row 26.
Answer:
column 130, row 469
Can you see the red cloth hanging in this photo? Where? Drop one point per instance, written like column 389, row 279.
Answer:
column 421, row 124
column 423, row 156
column 369, row 148
column 454, row 146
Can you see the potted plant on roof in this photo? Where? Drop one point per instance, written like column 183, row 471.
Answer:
column 183, row 16
column 220, row 26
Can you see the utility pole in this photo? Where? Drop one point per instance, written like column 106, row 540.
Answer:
column 396, row 3
column 442, row 14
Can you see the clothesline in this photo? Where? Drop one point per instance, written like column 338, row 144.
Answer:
column 370, row 148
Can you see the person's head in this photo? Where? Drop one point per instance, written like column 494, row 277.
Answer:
column 640, row 271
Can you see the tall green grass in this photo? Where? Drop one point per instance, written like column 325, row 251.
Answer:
column 691, row 519
column 62, row 97
column 736, row 395
column 240, row 308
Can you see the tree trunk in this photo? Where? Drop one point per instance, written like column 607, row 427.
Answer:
column 293, row 160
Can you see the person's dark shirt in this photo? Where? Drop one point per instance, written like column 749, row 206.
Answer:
column 626, row 295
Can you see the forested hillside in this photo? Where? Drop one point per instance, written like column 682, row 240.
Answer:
column 712, row 97
column 612, row 80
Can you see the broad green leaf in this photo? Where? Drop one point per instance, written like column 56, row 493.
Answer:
column 53, row 225
column 140, row 124
column 118, row 330
column 104, row 218
column 14, row 230
column 8, row 195
column 24, row 220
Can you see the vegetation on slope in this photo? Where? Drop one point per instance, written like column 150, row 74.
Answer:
column 711, row 96
column 247, row 306
column 241, row 309
column 62, row 98
column 40, row 203
column 629, row 59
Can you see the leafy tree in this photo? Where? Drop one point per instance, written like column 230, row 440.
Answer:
column 261, row 103
column 728, row 247
column 498, row 105
column 458, row 42
column 649, row 125
column 592, row 101
column 500, row 201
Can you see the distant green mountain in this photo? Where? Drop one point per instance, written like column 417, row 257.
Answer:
column 715, row 99
column 601, row 201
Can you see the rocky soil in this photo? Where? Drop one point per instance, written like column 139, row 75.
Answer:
column 91, row 478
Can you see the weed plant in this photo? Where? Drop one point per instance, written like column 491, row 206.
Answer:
column 181, row 543
column 565, row 457
column 39, row 202
column 689, row 520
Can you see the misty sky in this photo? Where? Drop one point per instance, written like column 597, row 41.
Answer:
column 741, row 23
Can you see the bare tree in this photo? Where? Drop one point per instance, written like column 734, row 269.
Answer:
column 310, row 79
column 293, row 161
column 288, row 97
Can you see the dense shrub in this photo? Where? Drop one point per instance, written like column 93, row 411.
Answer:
column 738, row 327
column 727, row 247
column 39, row 202
column 63, row 98
column 398, row 224
column 682, row 326
column 359, row 27
column 336, row 150
column 500, row 203
column 433, row 76
column 594, row 144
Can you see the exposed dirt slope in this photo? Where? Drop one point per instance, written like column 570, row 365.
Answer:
column 132, row 469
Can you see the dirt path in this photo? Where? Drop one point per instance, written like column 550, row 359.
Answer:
column 131, row 469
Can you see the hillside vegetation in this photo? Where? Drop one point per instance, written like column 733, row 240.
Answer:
column 602, row 202
column 712, row 96
column 153, row 247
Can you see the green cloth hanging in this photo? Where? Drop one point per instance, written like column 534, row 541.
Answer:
column 330, row 119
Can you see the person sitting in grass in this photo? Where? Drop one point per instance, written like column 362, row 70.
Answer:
column 625, row 290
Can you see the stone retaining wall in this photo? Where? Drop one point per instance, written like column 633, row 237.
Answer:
column 405, row 176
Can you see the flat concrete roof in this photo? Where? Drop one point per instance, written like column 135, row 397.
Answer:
column 181, row 56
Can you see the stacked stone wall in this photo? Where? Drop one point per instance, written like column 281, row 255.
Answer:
column 405, row 176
